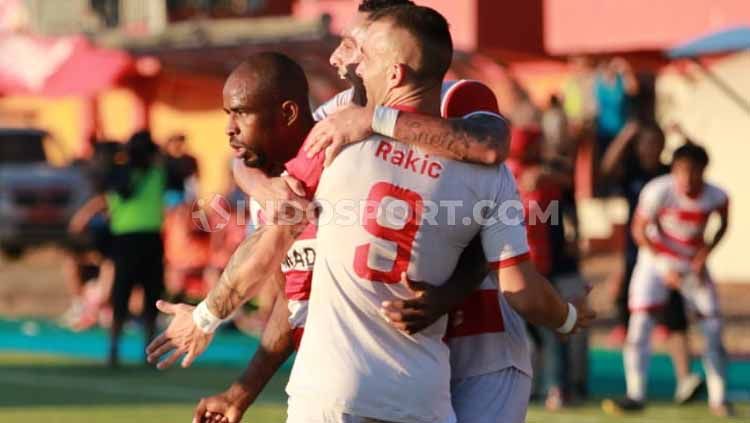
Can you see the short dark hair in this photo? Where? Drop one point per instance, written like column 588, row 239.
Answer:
column 280, row 77
column 375, row 5
column 692, row 152
column 431, row 30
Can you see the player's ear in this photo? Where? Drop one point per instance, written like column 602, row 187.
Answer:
column 396, row 75
column 290, row 112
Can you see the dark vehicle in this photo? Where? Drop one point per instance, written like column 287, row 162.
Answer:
column 37, row 199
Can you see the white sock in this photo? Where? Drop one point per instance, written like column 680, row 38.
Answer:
column 714, row 361
column 636, row 354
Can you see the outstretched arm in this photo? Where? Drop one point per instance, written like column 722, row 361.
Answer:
column 481, row 138
column 534, row 298
column 275, row 348
column 191, row 329
column 612, row 158
column 82, row 217
column 258, row 256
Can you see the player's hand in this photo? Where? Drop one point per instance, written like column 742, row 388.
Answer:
column 282, row 198
column 413, row 315
column 182, row 337
column 349, row 125
column 673, row 279
column 226, row 407
column 698, row 263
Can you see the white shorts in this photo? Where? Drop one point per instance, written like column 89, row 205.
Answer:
column 501, row 396
column 312, row 414
column 648, row 292
column 334, row 417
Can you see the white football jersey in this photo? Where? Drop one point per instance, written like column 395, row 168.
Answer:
column 344, row 98
column 678, row 222
column 485, row 334
column 388, row 208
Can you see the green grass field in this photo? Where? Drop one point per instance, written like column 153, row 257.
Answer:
column 49, row 389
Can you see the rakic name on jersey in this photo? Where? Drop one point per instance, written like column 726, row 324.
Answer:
column 408, row 159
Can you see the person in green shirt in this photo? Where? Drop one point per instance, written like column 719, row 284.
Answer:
column 134, row 200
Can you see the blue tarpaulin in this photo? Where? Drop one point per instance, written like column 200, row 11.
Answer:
column 725, row 41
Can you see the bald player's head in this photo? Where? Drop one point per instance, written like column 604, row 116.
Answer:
column 407, row 49
column 268, row 112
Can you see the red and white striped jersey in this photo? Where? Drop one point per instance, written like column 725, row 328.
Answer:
column 678, row 222
column 485, row 334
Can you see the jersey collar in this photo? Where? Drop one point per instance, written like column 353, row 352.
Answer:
column 404, row 108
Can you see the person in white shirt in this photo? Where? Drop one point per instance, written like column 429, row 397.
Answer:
column 669, row 228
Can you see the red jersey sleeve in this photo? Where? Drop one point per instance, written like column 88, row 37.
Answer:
column 307, row 170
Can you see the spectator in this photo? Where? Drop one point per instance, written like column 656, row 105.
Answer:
column 614, row 84
column 555, row 130
column 541, row 187
column 87, row 266
column 524, row 113
column 181, row 167
column 134, row 196
column 578, row 94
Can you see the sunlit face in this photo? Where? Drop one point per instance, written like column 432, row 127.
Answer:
column 346, row 56
column 688, row 177
column 375, row 62
column 250, row 127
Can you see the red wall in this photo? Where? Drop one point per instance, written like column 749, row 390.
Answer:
column 511, row 26
column 559, row 27
column 590, row 26
column 475, row 24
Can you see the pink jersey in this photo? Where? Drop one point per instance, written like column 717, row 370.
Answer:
column 678, row 222
column 419, row 213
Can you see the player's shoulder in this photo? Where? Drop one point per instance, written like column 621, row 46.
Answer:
column 465, row 97
column 715, row 193
column 338, row 101
column 663, row 183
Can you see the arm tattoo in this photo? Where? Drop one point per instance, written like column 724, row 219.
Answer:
column 228, row 294
column 471, row 139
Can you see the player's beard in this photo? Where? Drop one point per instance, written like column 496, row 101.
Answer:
column 349, row 73
column 250, row 157
column 255, row 159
